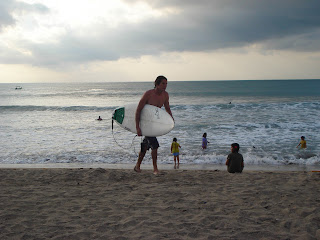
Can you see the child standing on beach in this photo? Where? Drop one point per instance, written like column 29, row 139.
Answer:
column 235, row 159
column 303, row 143
column 204, row 141
column 175, row 151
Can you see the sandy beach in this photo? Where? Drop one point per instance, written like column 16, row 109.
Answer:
column 98, row 203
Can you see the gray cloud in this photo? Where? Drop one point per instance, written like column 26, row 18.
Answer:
column 29, row 8
column 8, row 7
column 208, row 25
column 5, row 13
column 201, row 25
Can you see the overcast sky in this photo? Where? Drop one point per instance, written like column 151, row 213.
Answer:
column 128, row 40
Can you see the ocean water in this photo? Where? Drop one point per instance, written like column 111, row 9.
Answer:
column 56, row 122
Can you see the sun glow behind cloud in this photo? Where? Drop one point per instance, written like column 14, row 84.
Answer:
column 81, row 17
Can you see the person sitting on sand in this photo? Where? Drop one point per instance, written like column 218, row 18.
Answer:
column 175, row 151
column 235, row 159
column 303, row 143
column 99, row 118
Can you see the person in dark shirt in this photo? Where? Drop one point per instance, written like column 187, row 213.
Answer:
column 235, row 159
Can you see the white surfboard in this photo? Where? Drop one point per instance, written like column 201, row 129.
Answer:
column 154, row 121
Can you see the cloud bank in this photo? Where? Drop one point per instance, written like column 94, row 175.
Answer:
column 175, row 26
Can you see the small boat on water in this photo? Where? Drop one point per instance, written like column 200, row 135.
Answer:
column 18, row 88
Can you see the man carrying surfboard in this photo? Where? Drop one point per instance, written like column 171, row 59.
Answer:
column 157, row 97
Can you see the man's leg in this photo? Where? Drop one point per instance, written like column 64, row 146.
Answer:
column 140, row 158
column 154, row 155
column 142, row 153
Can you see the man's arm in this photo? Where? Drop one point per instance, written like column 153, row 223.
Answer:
column 142, row 103
column 167, row 106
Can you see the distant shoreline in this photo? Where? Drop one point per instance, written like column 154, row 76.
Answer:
column 148, row 166
column 228, row 80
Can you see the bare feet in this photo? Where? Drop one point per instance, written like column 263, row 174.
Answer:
column 156, row 172
column 137, row 170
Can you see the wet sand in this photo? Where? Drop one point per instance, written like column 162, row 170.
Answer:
column 104, row 203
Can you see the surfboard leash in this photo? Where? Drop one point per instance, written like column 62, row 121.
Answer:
column 134, row 150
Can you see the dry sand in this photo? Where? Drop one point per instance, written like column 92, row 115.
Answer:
column 177, row 204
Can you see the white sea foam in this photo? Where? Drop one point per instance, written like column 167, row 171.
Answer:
column 45, row 124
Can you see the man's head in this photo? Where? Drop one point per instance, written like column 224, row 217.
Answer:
column 158, row 80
